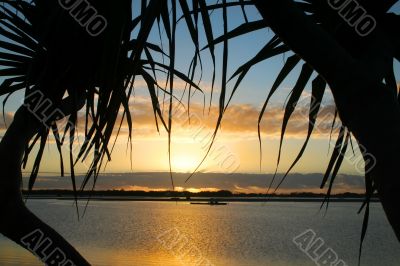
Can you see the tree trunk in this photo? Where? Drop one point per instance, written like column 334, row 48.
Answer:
column 366, row 106
column 17, row 222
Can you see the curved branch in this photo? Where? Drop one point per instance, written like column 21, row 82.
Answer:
column 17, row 222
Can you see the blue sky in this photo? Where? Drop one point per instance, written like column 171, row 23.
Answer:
column 150, row 147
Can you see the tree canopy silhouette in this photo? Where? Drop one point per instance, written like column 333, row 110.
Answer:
column 52, row 52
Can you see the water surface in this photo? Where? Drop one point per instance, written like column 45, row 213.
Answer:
column 239, row 234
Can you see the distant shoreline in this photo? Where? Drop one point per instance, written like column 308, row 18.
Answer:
column 125, row 199
column 198, row 199
column 185, row 196
column 223, row 195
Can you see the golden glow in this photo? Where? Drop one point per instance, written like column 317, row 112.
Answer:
column 194, row 190
column 184, row 163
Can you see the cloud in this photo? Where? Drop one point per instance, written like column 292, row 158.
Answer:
column 239, row 120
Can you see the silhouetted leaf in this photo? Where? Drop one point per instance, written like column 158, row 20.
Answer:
column 298, row 89
column 289, row 65
column 335, row 155
column 243, row 29
column 318, row 89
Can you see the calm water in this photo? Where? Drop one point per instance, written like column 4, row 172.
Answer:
column 143, row 233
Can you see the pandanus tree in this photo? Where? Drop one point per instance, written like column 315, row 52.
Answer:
column 88, row 54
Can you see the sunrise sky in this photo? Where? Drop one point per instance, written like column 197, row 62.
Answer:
column 236, row 149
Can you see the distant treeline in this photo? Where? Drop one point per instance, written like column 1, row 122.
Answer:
column 180, row 194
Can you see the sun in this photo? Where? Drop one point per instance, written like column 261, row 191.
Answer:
column 184, row 164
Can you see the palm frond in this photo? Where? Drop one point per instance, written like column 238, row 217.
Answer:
column 42, row 49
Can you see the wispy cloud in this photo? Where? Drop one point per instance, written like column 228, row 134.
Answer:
column 239, row 120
